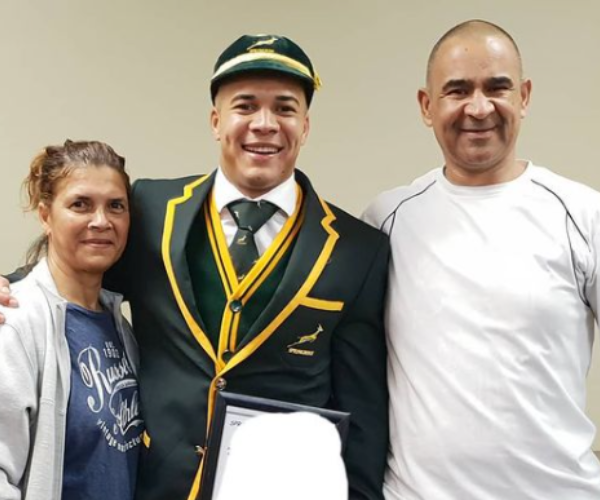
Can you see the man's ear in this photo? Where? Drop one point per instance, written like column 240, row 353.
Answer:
column 306, row 129
column 424, row 105
column 215, row 120
column 525, row 96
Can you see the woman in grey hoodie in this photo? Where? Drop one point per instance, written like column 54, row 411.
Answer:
column 70, row 425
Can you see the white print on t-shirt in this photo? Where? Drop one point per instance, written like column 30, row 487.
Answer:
column 107, row 385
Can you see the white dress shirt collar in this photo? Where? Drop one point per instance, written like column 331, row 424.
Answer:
column 283, row 196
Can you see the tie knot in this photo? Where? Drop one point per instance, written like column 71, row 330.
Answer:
column 251, row 215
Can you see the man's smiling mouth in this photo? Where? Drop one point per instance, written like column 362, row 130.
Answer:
column 262, row 149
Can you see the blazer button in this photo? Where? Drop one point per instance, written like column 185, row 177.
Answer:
column 221, row 384
column 199, row 450
column 235, row 306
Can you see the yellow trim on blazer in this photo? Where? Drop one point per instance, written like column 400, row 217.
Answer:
column 212, row 235
column 281, row 252
column 302, row 294
column 172, row 204
column 258, row 274
column 324, row 305
column 197, row 480
column 198, row 477
column 217, row 242
column 233, row 332
column 227, row 321
column 222, row 249
column 146, row 439
column 270, row 253
column 299, row 298
column 212, row 393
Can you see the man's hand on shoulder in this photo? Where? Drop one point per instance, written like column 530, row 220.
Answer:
column 5, row 297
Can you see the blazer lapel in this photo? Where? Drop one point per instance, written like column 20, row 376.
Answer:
column 314, row 245
column 181, row 215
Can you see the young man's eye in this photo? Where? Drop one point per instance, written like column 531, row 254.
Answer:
column 244, row 107
column 286, row 109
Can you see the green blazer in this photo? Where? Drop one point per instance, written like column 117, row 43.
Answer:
column 333, row 285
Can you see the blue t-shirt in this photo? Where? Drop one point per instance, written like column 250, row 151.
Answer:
column 104, row 424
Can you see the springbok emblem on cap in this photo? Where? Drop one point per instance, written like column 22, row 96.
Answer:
column 260, row 43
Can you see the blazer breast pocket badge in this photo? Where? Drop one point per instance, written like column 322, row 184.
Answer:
column 302, row 347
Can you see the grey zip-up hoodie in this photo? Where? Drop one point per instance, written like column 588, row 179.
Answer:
column 35, row 374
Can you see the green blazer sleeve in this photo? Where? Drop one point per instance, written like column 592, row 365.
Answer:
column 359, row 381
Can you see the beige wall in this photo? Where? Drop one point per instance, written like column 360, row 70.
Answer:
column 134, row 73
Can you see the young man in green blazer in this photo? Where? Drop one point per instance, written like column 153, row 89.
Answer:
column 302, row 322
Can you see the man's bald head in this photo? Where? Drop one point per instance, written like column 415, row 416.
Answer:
column 472, row 28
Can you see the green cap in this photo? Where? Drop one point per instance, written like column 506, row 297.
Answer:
column 265, row 53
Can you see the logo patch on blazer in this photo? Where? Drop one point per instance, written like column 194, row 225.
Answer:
column 305, row 339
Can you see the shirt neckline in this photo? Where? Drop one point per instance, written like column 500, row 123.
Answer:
column 283, row 196
column 489, row 190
